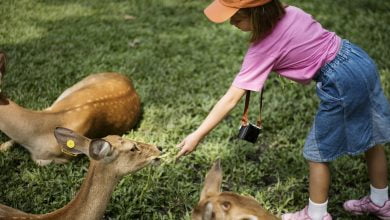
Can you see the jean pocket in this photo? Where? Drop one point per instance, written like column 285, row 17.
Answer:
column 327, row 93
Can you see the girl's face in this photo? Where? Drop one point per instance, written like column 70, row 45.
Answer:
column 241, row 21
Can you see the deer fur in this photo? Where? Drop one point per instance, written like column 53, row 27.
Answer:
column 217, row 205
column 99, row 105
column 111, row 158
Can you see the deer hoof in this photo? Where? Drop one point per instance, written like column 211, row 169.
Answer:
column 43, row 162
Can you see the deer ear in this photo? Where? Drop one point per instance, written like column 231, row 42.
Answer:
column 213, row 181
column 208, row 212
column 99, row 148
column 71, row 142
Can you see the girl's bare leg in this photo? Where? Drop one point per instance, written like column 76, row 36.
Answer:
column 377, row 166
column 319, row 181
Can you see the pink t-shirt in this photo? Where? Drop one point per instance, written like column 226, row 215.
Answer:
column 296, row 48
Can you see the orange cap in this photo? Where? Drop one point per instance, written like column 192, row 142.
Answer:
column 221, row 10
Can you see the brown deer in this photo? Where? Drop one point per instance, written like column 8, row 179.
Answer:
column 111, row 158
column 217, row 205
column 99, row 105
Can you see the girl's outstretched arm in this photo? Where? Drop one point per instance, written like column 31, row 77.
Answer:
column 219, row 111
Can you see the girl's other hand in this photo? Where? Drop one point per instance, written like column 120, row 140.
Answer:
column 188, row 145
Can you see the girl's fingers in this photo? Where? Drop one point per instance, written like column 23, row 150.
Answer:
column 180, row 145
column 181, row 153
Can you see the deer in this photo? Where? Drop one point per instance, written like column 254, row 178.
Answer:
column 111, row 158
column 101, row 104
column 216, row 205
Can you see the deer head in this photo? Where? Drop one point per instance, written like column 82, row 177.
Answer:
column 214, row 204
column 118, row 155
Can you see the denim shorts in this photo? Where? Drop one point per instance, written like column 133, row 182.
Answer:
column 353, row 114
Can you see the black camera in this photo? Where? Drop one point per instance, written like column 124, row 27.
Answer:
column 249, row 132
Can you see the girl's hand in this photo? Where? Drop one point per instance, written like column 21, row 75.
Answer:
column 220, row 110
column 188, row 145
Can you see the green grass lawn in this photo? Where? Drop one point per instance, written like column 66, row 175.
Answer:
column 180, row 64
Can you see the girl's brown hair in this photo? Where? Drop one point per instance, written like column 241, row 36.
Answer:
column 264, row 18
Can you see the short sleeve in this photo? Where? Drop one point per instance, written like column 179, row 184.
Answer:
column 254, row 71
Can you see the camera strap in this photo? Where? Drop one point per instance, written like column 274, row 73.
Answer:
column 244, row 119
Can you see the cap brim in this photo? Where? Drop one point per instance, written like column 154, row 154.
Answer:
column 218, row 12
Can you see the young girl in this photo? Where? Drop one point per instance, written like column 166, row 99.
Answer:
column 353, row 115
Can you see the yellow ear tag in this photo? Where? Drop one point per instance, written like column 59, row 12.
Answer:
column 70, row 144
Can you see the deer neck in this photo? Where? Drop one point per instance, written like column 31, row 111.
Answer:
column 93, row 197
column 19, row 123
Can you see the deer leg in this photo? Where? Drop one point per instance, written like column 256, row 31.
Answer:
column 56, row 159
column 7, row 145
column 60, row 160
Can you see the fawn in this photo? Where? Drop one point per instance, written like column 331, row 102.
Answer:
column 111, row 158
column 214, row 204
column 99, row 105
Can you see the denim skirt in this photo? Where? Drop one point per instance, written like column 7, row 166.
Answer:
column 353, row 114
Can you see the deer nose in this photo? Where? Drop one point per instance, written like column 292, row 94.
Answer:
column 160, row 148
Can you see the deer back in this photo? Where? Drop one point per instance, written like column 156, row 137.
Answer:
column 107, row 102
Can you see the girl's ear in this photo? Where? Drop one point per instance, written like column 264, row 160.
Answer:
column 99, row 148
column 213, row 181
column 71, row 142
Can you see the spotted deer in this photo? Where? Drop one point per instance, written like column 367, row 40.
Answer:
column 111, row 158
column 217, row 205
column 99, row 105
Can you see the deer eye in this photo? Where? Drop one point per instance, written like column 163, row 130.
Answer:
column 226, row 205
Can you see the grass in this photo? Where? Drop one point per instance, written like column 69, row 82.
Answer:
column 180, row 64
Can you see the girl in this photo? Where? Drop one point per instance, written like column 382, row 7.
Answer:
column 353, row 115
